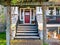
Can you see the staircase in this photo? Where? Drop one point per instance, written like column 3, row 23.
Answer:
column 27, row 31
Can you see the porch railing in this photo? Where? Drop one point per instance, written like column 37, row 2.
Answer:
column 53, row 19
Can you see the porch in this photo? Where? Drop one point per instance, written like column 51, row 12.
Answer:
column 24, row 23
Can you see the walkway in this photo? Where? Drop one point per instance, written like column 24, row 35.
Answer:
column 53, row 42
column 26, row 42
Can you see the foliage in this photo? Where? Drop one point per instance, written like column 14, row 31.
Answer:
column 3, row 38
column 14, row 1
column 2, row 18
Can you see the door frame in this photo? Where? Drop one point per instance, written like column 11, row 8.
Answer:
column 24, row 15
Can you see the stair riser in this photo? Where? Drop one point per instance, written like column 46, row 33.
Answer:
column 28, row 38
column 26, row 35
column 26, row 32
column 27, row 26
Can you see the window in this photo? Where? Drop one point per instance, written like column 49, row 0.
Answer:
column 51, row 10
column 57, row 11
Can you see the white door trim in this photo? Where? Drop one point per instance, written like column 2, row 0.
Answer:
column 24, row 15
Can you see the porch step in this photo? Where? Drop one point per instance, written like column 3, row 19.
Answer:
column 27, row 27
column 27, row 31
column 26, row 34
column 27, row 37
column 27, row 24
column 24, row 31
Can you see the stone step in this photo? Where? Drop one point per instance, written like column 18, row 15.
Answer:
column 26, row 34
column 26, row 31
column 27, row 37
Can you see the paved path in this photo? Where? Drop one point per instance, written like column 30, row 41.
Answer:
column 53, row 42
column 26, row 42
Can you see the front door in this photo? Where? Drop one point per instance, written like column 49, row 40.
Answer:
column 27, row 16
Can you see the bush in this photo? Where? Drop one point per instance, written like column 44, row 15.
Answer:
column 3, row 38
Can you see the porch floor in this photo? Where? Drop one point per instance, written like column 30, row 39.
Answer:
column 26, row 42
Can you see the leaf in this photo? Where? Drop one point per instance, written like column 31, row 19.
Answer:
column 14, row 1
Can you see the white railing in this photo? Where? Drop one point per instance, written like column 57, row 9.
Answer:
column 53, row 19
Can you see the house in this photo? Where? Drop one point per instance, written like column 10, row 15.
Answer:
column 27, row 18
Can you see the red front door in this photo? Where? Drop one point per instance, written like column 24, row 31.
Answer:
column 27, row 16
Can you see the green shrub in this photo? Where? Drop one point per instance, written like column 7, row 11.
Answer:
column 3, row 38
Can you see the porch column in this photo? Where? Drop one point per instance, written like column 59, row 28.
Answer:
column 39, row 21
column 54, row 11
column 23, row 16
column 8, row 24
column 30, row 16
column 14, row 12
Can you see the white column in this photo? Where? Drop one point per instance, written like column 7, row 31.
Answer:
column 7, row 25
column 33, row 15
column 23, row 16
column 54, row 11
column 20, row 14
column 30, row 16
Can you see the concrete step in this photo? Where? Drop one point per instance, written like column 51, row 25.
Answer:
column 25, row 29
column 27, row 37
column 26, row 34
column 27, row 24
column 18, row 31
